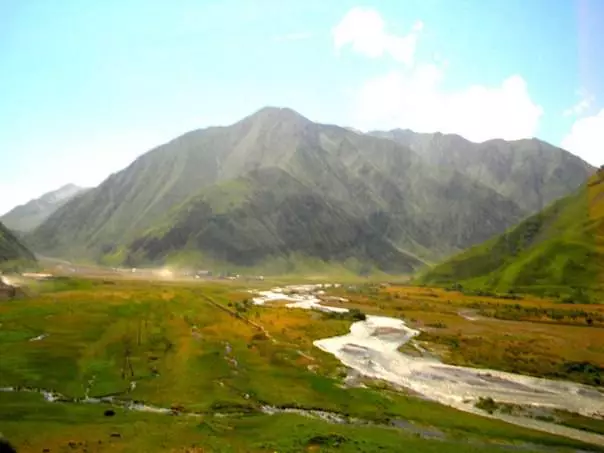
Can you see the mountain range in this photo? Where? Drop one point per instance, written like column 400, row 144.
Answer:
column 558, row 251
column 29, row 216
column 276, row 186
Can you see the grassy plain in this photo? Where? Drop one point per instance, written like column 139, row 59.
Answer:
column 197, row 347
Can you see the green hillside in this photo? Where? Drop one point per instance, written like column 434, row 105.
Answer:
column 11, row 249
column 559, row 251
column 269, row 215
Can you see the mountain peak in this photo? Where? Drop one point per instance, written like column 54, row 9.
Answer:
column 277, row 114
column 63, row 192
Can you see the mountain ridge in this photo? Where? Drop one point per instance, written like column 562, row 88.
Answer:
column 531, row 171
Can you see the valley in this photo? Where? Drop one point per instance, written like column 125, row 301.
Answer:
column 214, row 362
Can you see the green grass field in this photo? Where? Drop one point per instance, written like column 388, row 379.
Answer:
column 184, row 349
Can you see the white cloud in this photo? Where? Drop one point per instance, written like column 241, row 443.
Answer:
column 365, row 31
column 415, row 99
column 581, row 106
column 586, row 139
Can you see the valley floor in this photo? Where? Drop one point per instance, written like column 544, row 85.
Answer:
column 233, row 376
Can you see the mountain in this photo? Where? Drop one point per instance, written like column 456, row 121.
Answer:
column 559, row 250
column 530, row 172
column 267, row 215
column 27, row 217
column 247, row 192
column 11, row 249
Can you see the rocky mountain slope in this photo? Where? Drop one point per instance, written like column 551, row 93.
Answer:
column 532, row 173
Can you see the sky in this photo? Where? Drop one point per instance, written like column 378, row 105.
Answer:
column 87, row 86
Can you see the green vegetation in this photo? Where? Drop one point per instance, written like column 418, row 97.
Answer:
column 578, row 421
column 84, row 427
column 204, row 349
column 559, row 251
column 354, row 314
column 561, row 417
column 487, row 404
column 246, row 233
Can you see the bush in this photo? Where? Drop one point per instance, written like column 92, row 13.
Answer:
column 354, row 314
column 487, row 404
column 331, row 440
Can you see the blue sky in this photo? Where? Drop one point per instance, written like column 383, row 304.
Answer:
column 86, row 86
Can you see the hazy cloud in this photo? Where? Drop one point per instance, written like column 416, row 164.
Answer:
column 415, row 99
column 586, row 139
column 364, row 30
column 581, row 106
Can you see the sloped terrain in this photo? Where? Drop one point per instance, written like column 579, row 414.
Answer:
column 267, row 215
column 559, row 250
column 530, row 172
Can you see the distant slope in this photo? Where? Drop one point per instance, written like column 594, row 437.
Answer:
column 27, row 217
column 532, row 173
column 11, row 249
column 559, row 250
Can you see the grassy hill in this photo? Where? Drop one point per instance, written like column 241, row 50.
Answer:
column 559, row 250
column 269, row 215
